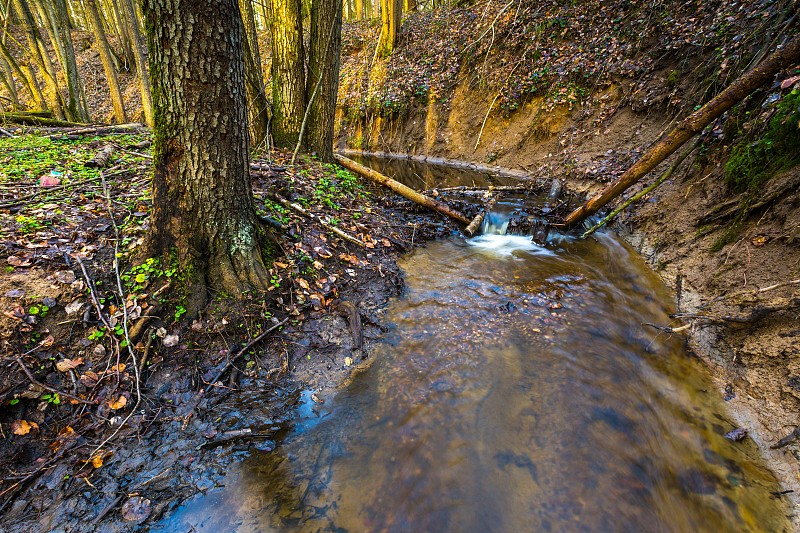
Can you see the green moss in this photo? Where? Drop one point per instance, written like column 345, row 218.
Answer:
column 753, row 163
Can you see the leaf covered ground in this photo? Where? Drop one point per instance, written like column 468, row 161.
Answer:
column 90, row 414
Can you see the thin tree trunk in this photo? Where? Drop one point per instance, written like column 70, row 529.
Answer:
column 139, row 45
column 323, row 76
column 54, row 12
column 359, row 9
column 121, row 31
column 202, row 197
column 26, row 75
column 107, row 59
column 689, row 127
column 288, row 78
column 8, row 80
column 391, row 14
column 38, row 52
column 254, row 77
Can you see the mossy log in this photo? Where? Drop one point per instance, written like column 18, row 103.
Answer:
column 30, row 119
column 402, row 190
column 756, row 77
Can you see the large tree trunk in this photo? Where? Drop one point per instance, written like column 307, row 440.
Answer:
column 254, row 77
column 108, row 61
column 202, row 198
column 323, row 76
column 139, row 46
column 288, row 78
column 689, row 127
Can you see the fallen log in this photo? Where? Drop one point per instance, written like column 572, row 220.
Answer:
column 34, row 120
column 120, row 129
column 478, row 220
column 692, row 125
column 641, row 194
column 100, row 159
column 402, row 190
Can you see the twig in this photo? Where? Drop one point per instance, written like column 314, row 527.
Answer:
column 317, row 219
column 241, row 352
column 44, row 386
column 7, row 133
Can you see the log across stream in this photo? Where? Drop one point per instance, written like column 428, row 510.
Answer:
column 517, row 390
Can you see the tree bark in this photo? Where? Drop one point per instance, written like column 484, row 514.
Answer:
column 391, row 14
column 139, row 46
column 54, row 12
column 202, row 197
column 288, row 78
column 401, row 189
column 107, row 59
column 257, row 104
column 323, row 76
column 689, row 127
column 8, row 80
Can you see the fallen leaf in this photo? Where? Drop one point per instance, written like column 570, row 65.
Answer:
column 171, row 340
column 348, row 361
column 15, row 261
column 303, row 283
column 23, row 427
column 73, row 307
column 118, row 368
column 89, row 379
column 317, row 265
column 97, row 461
column 760, row 240
column 66, row 365
column 119, row 404
column 136, row 509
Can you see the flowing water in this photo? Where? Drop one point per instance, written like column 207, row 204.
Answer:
column 518, row 390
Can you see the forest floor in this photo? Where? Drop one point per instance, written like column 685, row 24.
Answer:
column 89, row 433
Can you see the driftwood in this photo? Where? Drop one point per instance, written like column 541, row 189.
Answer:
column 478, row 220
column 689, row 127
column 402, row 190
column 286, row 203
column 100, row 160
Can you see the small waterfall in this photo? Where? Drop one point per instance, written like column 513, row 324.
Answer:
column 495, row 223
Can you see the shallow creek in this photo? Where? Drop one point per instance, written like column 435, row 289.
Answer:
column 517, row 390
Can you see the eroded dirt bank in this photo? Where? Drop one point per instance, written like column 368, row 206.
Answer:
column 728, row 249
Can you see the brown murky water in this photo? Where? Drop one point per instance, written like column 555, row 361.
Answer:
column 517, row 391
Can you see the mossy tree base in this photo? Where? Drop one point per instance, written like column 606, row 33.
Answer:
column 202, row 198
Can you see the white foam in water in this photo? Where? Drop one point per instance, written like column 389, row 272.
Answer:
column 506, row 245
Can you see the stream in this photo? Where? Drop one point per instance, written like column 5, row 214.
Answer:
column 518, row 389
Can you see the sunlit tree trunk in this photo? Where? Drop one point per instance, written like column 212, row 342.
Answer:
column 8, row 82
column 288, row 78
column 26, row 75
column 202, row 198
column 139, row 46
column 391, row 13
column 107, row 59
column 359, row 9
column 38, row 53
column 323, row 76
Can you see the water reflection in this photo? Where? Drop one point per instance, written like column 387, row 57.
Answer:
column 516, row 392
